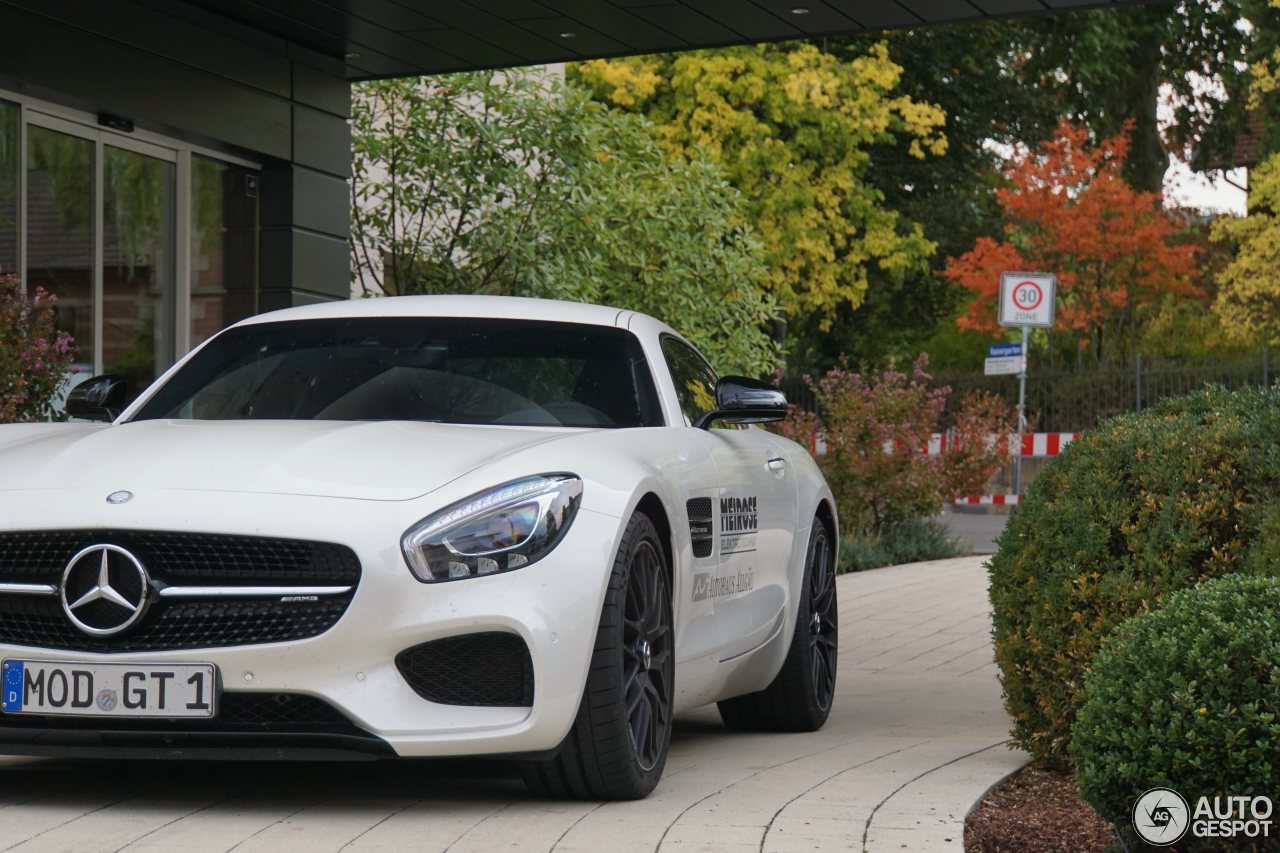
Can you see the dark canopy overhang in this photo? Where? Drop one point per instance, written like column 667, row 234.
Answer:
column 395, row 38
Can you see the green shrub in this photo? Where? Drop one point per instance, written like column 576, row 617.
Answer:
column 1185, row 697
column 1142, row 506
column 910, row 541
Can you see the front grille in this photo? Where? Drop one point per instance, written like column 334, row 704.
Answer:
column 280, row 713
column 180, row 559
column 191, row 624
column 489, row 668
column 204, row 559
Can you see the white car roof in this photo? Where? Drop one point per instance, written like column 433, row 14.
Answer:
column 496, row 307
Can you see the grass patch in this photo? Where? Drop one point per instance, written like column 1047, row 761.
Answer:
column 905, row 542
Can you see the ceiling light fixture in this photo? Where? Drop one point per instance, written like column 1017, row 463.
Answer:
column 568, row 35
column 800, row 10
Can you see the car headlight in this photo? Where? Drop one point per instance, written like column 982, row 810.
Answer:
column 504, row 528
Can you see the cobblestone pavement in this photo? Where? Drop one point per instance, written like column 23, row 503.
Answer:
column 916, row 736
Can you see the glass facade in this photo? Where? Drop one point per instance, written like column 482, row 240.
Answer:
column 94, row 217
column 10, row 163
column 224, row 246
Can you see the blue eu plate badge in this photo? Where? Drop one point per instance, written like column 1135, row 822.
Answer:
column 13, row 685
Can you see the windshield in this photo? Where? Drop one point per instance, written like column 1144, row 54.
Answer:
column 460, row 371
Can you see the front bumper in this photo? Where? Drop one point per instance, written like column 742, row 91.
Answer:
column 553, row 605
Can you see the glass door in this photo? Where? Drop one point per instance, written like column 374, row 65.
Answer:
column 137, row 265
column 101, row 236
column 61, row 221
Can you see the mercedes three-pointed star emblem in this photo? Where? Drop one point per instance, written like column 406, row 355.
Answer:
column 104, row 590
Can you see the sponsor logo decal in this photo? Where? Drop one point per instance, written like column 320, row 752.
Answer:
column 738, row 515
column 739, row 521
column 706, row 585
column 737, row 544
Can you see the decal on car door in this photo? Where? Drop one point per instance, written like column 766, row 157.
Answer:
column 739, row 521
column 709, row 585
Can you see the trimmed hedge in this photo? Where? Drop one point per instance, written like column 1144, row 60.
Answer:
column 1185, row 697
column 1144, row 505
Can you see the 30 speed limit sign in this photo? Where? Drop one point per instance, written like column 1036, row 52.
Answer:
column 1027, row 298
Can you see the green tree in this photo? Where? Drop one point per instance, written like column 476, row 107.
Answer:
column 971, row 73
column 1106, row 67
column 793, row 127
column 512, row 184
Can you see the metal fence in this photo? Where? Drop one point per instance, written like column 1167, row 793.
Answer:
column 1073, row 401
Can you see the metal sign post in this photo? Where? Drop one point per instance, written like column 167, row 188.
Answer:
column 1022, row 415
column 1026, row 300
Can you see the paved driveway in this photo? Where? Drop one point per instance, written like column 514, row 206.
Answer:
column 916, row 736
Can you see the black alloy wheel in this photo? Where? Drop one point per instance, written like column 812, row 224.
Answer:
column 617, row 746
column 800, row 697
column 823, row 620
column 646, row 654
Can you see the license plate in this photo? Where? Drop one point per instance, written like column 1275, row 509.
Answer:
column 109, row 689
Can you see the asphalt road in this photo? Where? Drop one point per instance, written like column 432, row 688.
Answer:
column 978, row 526
column 916, row 736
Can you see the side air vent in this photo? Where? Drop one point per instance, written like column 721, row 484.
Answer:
column 702, row 526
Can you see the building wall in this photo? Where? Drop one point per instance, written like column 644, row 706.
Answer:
column 194, row 76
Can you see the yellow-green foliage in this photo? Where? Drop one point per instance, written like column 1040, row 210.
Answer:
column 1265, row 74
column 1248, row 300
column 1249, row 287
column 792, row 126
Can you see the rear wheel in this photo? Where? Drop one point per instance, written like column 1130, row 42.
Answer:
column 617, row 747
column 799, row 698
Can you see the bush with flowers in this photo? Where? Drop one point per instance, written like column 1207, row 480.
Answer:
column 34, row 356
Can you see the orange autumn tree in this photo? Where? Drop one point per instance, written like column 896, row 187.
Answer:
column 1067, row 210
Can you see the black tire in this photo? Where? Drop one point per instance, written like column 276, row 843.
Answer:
column 799, row 699
column 617, row 747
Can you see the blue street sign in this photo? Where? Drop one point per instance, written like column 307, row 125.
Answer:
column 1003, row 350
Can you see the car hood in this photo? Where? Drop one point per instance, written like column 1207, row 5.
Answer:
column 383, row 460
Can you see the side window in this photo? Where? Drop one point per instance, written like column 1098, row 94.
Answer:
column 694, row 379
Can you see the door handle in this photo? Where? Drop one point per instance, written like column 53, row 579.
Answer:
column 777, row 465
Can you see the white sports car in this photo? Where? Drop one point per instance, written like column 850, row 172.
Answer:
column 416, row 526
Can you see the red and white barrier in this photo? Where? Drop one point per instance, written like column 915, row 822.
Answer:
column 988, row 500
column 1035, row 445
column 1044, row 444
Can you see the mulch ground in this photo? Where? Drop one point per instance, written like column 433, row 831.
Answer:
column 1036, row 809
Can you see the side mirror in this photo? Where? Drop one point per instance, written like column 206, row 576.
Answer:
column 101, row 398
column 741, row 400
